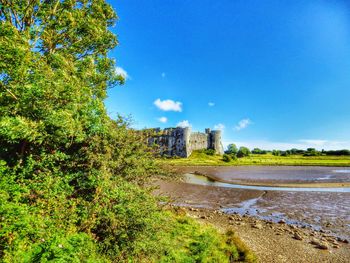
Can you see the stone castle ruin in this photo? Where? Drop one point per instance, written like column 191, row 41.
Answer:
column 182, row 141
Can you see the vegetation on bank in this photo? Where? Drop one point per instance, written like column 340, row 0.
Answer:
column 201, row 158
column 72, row 180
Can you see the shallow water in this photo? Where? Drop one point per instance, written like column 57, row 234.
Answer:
column 203, row 180
column 273, row 174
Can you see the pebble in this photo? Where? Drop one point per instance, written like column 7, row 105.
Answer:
column 257, row 226
column 297, row 236
column 343, row 240
column 323, row 246
column 319, row 244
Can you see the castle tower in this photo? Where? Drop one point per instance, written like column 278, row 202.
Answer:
column 216, row 142
column 186, row 138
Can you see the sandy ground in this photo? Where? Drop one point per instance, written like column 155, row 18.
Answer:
column 271, row 242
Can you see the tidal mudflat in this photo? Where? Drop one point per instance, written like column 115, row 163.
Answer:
column 277, row 226
column 320, row 208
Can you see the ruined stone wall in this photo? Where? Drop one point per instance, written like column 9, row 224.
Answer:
column 198, row 141
column 172, row 141
column 181, row 141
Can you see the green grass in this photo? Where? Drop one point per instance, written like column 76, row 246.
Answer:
column 199, row 158
column 190, row 241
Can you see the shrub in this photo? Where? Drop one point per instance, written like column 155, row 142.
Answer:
column 234, row 157
column 276, row 152
column 226, row 158
column 209, row 152
column 242, row 152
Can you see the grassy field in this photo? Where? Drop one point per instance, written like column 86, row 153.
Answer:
column 199, row 158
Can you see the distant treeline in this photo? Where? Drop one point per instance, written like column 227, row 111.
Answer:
column 307, row 152
column 232, row 149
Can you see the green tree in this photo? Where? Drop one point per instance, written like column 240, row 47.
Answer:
column 258, row 151
column 276, row 152
column 72, row 181
column 312, row 152
column 58, row 143
column 242, row 152
column 232, row 149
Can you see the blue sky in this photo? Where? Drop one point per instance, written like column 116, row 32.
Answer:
column 271, row 74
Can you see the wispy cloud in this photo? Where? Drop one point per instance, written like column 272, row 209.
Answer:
column 168, row 105
column 122, row 72
column 219, row 126
column 163, row 75
column 211, row 104
column 242, row 124
column 184, row 124
column 163, row 119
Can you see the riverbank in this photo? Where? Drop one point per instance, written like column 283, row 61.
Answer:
column 277, row 242
column 202, row 159
column 305, row 232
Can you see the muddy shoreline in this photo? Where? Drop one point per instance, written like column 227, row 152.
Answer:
column 281, row 215
column 277, row 242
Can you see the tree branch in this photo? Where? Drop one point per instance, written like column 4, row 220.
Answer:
column 9, row 91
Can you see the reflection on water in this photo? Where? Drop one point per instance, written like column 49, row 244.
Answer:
column 343, row 171
column 203, row 180
column 272, row 174
column 326, row 177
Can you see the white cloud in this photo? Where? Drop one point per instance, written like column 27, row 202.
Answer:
column 122, row 72
column 163, row 74
column 219, row 126
column 298, row 144
column 211, row 104
column 168, row 105
column 184, row 124
column 242, row 124
column 163, row 119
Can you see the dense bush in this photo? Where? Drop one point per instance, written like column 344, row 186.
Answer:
column 337, row 152
column 242, row 152
column 258, row 151
column 226, row 158
column 72, row 181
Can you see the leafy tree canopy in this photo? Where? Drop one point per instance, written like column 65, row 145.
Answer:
column 243, row 151
column 70, row 176
column 232, row 149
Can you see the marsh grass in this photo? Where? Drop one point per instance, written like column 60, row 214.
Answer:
column 199, row 158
